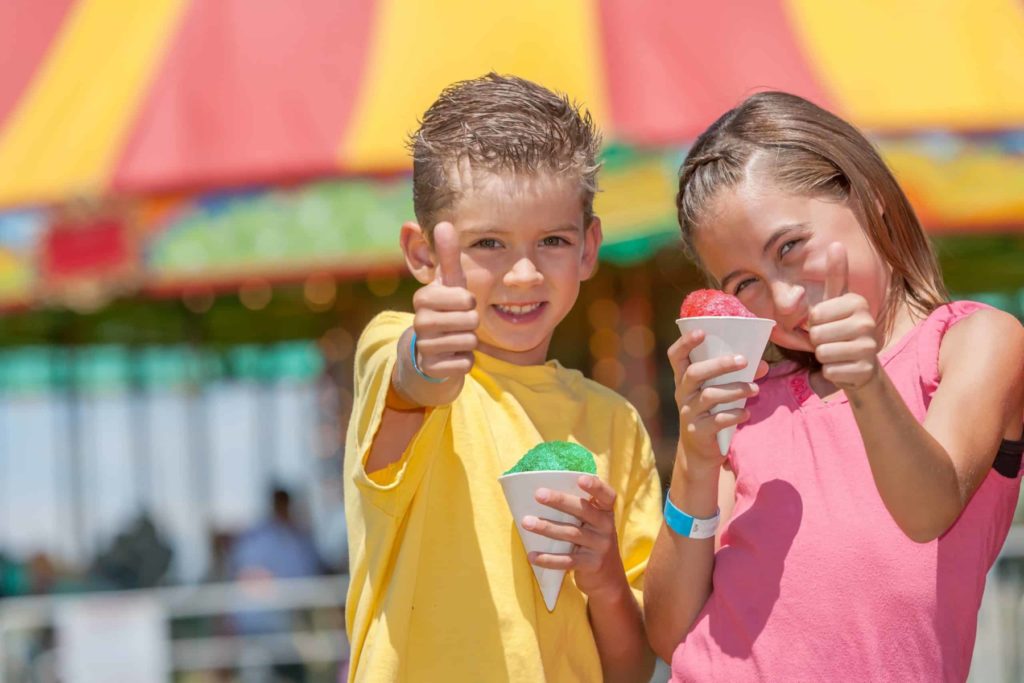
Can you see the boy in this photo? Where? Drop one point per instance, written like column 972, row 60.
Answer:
column 446, row 400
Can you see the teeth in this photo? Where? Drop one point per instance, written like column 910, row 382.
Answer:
column 518, row 310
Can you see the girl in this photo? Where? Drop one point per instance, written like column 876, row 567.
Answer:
column 863, row 500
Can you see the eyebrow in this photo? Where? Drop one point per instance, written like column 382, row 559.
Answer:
column 772, row 239
column 490, row 229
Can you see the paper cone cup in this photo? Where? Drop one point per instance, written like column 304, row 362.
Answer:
column 519, row 492
column 729, row 336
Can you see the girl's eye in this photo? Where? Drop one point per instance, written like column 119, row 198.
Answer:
column 787, row 247
column 554, row 241
column 487, row 243
column 743, row 285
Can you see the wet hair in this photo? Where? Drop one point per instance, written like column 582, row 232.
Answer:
column 500, row 124
column 801, row 148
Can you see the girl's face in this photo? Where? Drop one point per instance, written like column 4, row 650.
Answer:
column 767, row 246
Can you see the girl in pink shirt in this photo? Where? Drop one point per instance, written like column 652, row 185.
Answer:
column 875, row 474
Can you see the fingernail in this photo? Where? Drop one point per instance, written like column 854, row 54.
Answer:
column 543, row 495
column 755, row 388
column 739, row 360
column 529, row 522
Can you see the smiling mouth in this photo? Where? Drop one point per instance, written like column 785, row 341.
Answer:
column 518, row 309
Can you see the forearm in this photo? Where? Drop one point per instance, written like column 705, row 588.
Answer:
column 618, row 626
column 677, row 583
column 416, row 389
column 915, row 476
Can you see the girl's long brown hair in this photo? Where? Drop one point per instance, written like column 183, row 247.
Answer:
column 806, row 150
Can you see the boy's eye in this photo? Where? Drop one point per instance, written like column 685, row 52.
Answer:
column 487, row 243
column 554, row 241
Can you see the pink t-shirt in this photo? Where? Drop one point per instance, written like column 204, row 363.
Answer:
column 814, row 581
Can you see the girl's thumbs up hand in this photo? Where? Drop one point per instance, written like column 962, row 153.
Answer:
column 842, row 329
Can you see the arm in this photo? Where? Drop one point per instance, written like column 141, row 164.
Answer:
column 445, row 326
column 925, row 473
column 678, row 579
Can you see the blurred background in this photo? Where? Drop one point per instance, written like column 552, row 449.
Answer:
column 199, row 211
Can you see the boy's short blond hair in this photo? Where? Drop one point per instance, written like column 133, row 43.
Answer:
column 500, row 124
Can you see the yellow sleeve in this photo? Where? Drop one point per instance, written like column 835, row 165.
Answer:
column 640, row 519
column 376, row 354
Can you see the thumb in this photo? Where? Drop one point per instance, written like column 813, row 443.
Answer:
column 837, row 271
column 449, row 256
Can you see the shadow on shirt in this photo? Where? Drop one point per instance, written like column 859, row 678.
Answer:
column 775, row 514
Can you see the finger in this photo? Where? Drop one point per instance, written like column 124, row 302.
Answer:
column 436, row 298
column 447, row 344
column 719, row 421
column 837, row 271
column 570, row 504
column 449, row 256
column 710, row 397
column 602, row 496
column 435, row 323
column 836, row 309
column 559, row 531
column 846, row 351
column 842, row 329
column 552, row 561
column 701, row 372
column 454, row 365
column 851, row 373
column 679, row 352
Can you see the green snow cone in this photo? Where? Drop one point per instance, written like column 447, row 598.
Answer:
column 556, row 456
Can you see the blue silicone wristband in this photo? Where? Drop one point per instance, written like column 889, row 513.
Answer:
column 687, row 525
column 416, row 367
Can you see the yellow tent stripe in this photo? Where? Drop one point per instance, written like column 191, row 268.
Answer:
column 913, row 63
column 554, row 43
column 66, row 133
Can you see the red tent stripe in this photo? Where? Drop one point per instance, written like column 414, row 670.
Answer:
column 26, row 30
column 249, row 92
column 674, row 67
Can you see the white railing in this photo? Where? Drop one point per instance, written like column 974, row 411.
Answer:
column 24, row 623
column 999, row 654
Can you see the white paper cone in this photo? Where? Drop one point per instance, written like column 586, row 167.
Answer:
column 729, row 336
column 519, row 492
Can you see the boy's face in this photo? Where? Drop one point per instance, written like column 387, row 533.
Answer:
column 525, row 251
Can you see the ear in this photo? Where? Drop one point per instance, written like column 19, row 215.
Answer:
column 419, row 256
column 592, row 238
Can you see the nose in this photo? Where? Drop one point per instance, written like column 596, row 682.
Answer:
column 787, row 297
column 523, row 273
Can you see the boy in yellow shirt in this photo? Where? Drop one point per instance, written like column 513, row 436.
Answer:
column 447, row 399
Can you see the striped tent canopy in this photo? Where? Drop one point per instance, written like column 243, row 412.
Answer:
column 166, row 99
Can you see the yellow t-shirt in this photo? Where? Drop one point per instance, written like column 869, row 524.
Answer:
column 441, row 589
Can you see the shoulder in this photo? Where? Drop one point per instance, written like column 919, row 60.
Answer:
column 384, row 329
column 984, row 336
column 386, row 323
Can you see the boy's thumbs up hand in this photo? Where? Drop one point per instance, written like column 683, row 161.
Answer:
column 842, row 329
column 446, row 317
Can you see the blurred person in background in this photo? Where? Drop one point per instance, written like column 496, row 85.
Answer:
column 276, row 548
